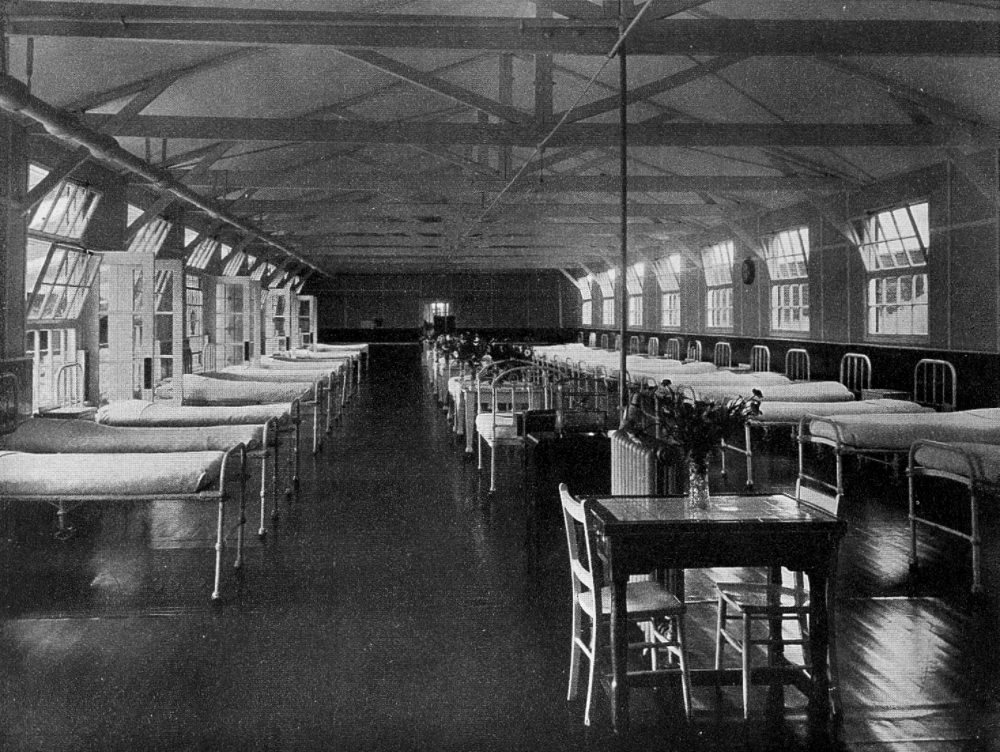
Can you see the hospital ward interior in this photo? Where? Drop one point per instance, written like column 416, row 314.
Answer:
column 500, row 375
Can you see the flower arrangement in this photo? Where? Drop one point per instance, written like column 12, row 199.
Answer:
column 696, row 427
column 507, row 350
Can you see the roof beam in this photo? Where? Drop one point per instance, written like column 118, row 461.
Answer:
column 101, row 98
column 563, row 36
column 551, row 184
column 594, row 135
column 438, row 85
column 651, row 89
column 337, row 209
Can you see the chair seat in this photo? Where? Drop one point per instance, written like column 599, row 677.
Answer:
column 643, row 599
column 760, row 598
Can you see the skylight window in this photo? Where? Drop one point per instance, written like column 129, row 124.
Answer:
column 203, row 253
column 65, row 211
column 894, row 250
column 787, row 255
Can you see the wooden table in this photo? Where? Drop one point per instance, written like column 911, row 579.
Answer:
column 637, row 534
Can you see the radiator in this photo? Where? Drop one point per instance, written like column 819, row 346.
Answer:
column 637, row 467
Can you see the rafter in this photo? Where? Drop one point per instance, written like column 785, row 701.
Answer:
column 101, row 98
column 574, row 134
column 438, row 85
column 551, row 184
column 562, row 36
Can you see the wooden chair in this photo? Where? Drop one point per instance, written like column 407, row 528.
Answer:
column 646, row 601
column 767, row 604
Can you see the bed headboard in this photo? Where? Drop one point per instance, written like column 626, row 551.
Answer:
column 856, row 372
column 9, row 404
column 653, row 347
column 797, row 364
column 723, row 355
column 760, row 358
column 694, row 350
column 935, row 383
column 673, row 348
column 634, row 347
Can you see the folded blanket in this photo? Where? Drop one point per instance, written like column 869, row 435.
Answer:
column 129, row 475
column 898, row 432
column 48, row 435
column 792, row 412
column 274, row 375
column 139, row 413
column 199, row 390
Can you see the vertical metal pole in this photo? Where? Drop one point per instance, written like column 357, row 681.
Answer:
column 623, row 155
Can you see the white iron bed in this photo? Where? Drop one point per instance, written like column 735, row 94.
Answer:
column 285, row 417
column 778, row 413
column 977, row 467
column 67, row 480
column 888, row 437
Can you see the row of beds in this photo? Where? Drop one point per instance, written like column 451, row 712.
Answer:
column 938, row 440
column 199, row 450
column 503, row 401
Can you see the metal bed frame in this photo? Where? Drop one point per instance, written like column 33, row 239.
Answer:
column 971, row 479
column 921, row 396
column 935, row 384
column 65, row 503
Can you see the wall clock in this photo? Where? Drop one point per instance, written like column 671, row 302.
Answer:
column 749, row 271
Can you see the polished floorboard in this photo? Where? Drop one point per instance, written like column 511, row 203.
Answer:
column 399, row 606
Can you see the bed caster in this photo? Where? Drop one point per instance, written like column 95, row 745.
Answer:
column 749, row 487
column 64, row 533
column 262, row 535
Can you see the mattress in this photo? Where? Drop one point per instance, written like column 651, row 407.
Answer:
column 504, row 427
column 139, row 413
column 47, row 436
column 984, row 459
column 86, row 474
column 199, row 390
column 776, row 391
column 239, row 373
column 792, row 412
column 897, row 432
column 301, row 365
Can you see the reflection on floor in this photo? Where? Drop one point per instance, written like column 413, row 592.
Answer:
column 398, row 606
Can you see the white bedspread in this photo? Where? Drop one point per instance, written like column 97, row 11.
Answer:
column 139, row 413
column 504, row 427
column 200, row 390
column 898, row 432
column 240, row 373
column 984, row 459
column 792, row 412
column 775, row 390
column 131, row 475
column 48, row 435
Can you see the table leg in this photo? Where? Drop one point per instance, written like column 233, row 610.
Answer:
column 819, row 642
column 775, row 648
column 619, row 655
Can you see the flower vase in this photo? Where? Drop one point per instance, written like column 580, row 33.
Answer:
column 698, row 493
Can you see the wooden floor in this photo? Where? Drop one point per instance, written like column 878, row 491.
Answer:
column 398, row 606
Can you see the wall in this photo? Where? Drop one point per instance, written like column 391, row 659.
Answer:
column 963, row 280
column 490, row 301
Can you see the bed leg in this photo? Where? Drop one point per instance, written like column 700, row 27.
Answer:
column 749, row 448
column 493, row 468
column 218, row 549
column 262, row 533
column 243, row 514
column 479, row 447
column 297, row 460
column 316, row 419
column 977, row 581
column 275, row 478
column 913, row 522
column 329, row 407
column 63, row 531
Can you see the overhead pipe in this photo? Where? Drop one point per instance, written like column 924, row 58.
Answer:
column 16, row 98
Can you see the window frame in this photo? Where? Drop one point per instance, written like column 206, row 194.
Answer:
column 881, row 255
column 786, row 254
column 718, row 277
